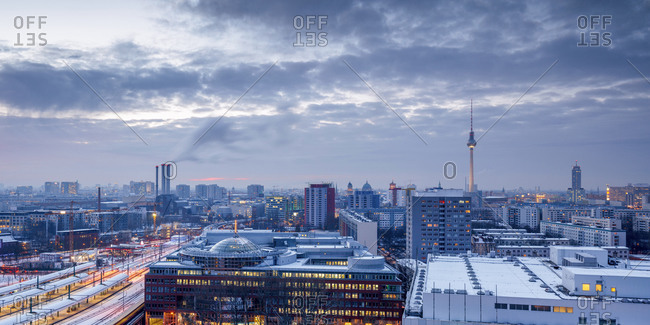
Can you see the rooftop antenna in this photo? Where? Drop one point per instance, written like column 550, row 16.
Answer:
column 471, row 116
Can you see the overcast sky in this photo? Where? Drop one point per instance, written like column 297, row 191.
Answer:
column 171, row 69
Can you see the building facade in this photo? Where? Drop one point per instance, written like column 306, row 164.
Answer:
column 585, row 235
column 320, row 206
column 438, row 222
column 357, row 226
column 298, row 279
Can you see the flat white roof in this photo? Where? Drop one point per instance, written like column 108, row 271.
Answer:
column 441, row 193
column 495, row 274
column 630, row 273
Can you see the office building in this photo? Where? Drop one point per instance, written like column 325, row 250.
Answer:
column 141, row 188
column 362, row 229
column 438, row 222
column 631, row 195
column 320, row 206
column 576, row 192
column 52, row 188
column 255, row 191
column 81, row 239
column 276, row 207
column 183, row 191
column 524, row 290
column 273, row 278
column 24, row 190
column 69, row 188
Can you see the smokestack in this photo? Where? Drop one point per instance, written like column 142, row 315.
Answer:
column 163, row 186
column 99, row 199
column 156, row 180
column 168, row 181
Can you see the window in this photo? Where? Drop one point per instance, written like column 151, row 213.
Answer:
column 540, row 308
column 599, row 287
column 613, row 289
column 586, row 287
column 500, row 306
column 518, row 307
column 560, row 309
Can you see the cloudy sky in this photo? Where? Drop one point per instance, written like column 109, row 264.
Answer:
column 171, row 69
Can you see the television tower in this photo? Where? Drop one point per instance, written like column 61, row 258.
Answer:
column 471, row 143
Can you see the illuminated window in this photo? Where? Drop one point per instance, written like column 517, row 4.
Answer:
column 599, row 287
column 586, row 287
column 613, row 289
column 560, row 309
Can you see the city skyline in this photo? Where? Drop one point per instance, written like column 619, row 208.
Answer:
column 309, row 117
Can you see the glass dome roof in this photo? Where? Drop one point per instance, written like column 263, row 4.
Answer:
column 234, row 245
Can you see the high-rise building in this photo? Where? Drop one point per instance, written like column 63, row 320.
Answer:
column 69, row 188
column 276, row 207
column 201, row 190
column 576, row 192
column 216, row 192
column 438, row 222
column 183, row 191
column 320, row 206
column 52, row 188
column 255, row 191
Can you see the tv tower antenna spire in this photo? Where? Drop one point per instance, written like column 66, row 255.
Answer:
column 471, row 116
column 471, row 143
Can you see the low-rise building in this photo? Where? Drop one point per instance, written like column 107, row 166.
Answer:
column 524, row 290
column 585, row 235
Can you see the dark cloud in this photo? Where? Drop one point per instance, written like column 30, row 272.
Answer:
column 310, row 116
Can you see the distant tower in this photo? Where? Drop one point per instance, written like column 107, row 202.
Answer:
column 471, row 143
column 576, row 192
